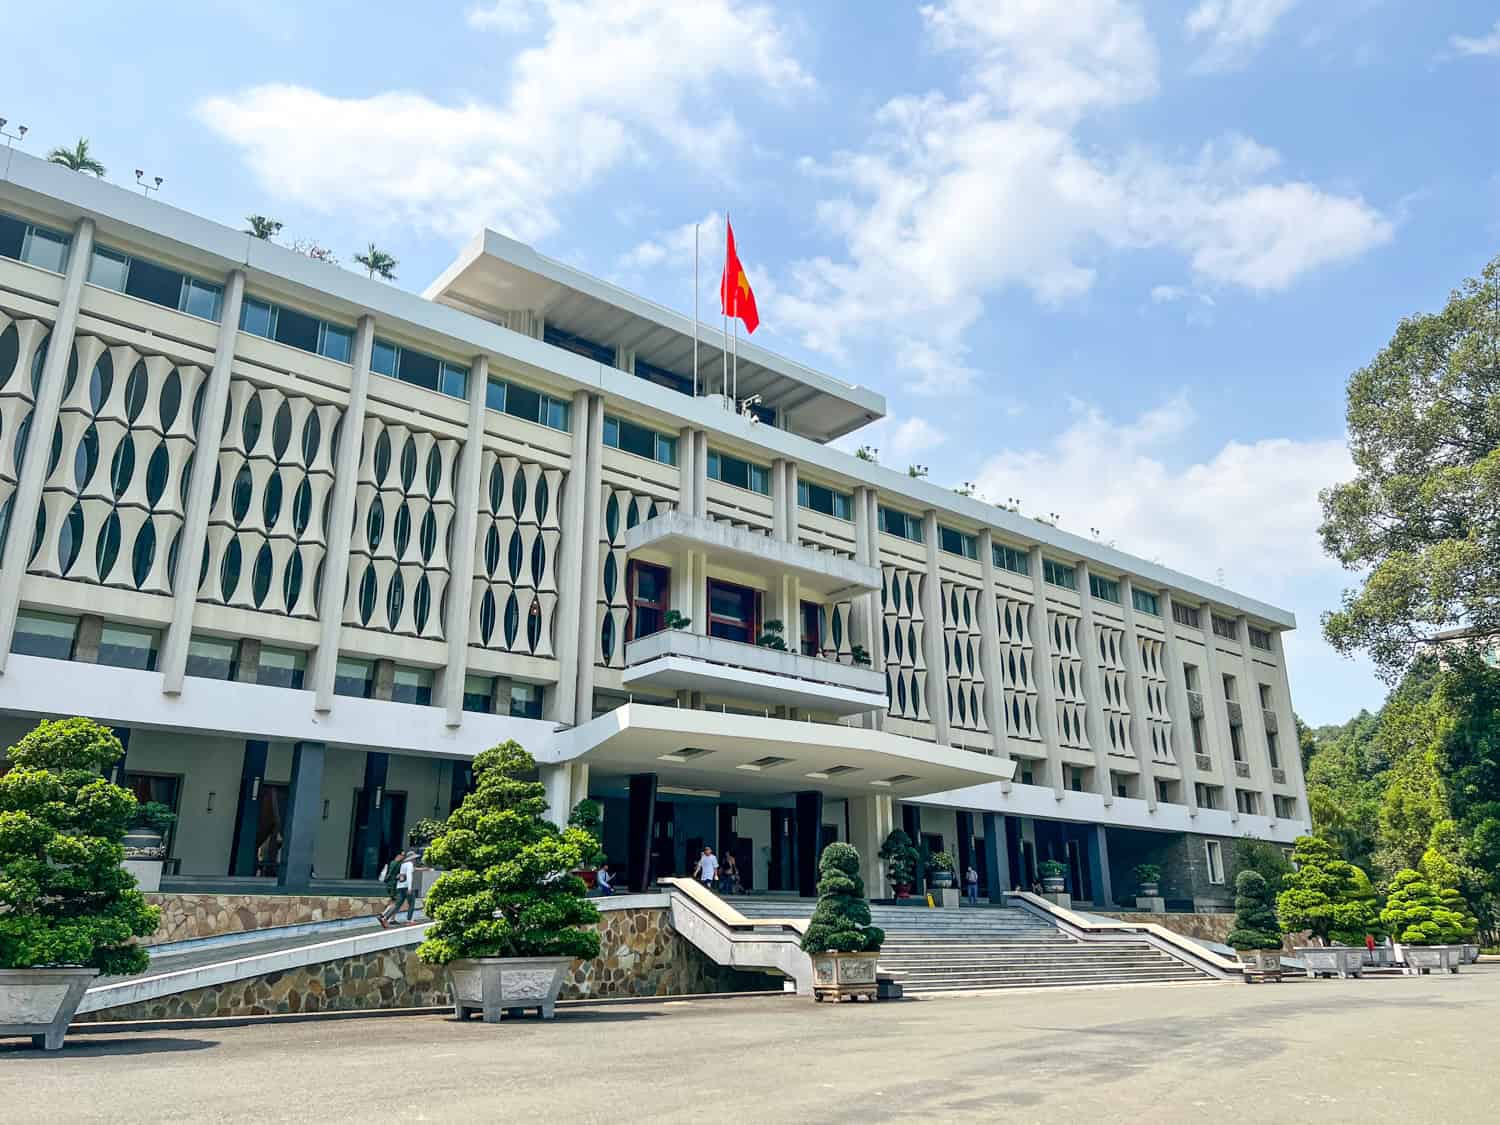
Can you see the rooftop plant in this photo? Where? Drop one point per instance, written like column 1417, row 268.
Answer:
column 841, row 921
column 64, row 898
column 1255, row 925
column 506, row 888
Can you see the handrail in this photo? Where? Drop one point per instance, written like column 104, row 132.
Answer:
column 727, row 937
column 1184, row 948
column 725, row 914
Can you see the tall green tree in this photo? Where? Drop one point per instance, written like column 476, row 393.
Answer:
column 1326, row 895
column 1421, row 519
column 77, row 158
column 378, row 263
column 262, row 227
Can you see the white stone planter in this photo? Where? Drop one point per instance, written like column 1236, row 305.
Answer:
column 1431, row 958
column 41, row 1002
column 145, row 852
column 495, row 985
column 844, row 976
column 1332, row 960
column 1261, row 964
column 1471, row 954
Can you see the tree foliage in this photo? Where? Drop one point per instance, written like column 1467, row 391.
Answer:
column 1421, row 518
column 840, row 922
column 78, row 158
column 64, row 898
column 1422, row 911
column 378, row 263
column 901, row 858
column 261, row 227
column 1326, row 895
column 507, row 888
column 1255, row 925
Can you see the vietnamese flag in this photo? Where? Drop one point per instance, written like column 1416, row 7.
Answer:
column 735, row 295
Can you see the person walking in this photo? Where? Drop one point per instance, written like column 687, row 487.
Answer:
column 405, row 890
column 971, row 884
column 707, row 869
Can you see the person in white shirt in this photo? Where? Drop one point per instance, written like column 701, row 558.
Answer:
column 708, row 868
column 406, row 891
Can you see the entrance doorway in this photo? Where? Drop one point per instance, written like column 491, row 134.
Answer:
column 368, row 850
column 270, row 827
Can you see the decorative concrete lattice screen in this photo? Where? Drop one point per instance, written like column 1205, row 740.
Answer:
column 905, row 663
column 403, row 510
column 836, row 643
column 622, row 510
column 1116, row 708
column 1019, row 698
column 112, row 502
column 267, row 529
column 1067, row 674
column 1158, row 717
column 961, row 656
column 23, row 352
column 515, row 567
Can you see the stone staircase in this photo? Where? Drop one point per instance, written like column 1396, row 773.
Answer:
column 974, row 948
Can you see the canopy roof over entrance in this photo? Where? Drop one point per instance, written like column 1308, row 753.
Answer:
column 748, row 753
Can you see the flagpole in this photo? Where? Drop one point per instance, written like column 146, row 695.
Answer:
column 724, row 308
column 735, row 398
column 695, row 310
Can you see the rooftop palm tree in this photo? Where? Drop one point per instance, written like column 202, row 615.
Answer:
column 378, row 262
column 262, row 227
column 77, row 158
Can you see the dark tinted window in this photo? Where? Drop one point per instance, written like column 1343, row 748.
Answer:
column 151, row 282
column 637, row 439
column 297, row 329
column 12, row 235
column 418, row 368
column 523, row 402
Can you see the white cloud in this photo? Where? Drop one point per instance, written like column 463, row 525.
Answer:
column 1167, row 294
column 937, row 372
column 915, row 435
column 502, row 15
column 592, row 95
column 1483, row 45
column 1233, row 29
column 673, row 249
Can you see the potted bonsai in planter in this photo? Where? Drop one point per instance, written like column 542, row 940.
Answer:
column 507, row 912
column 1054, row 875
column 1428, row 919
column 1256, row 935
column 420, row 836
column 844, row 947
column 68, row 907
column 145, row 843
column 940, row 868
column 1148, row 880
column 589, row 816
column 900, row 862
column 1334, row 901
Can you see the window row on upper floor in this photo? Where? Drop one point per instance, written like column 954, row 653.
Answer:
column 642, row 441
column 740, row 473
column 36, row 246
column 150, row 281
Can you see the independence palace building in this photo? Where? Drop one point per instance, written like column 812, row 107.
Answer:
column 310, row 543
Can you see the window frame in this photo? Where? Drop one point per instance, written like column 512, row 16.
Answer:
column 1105, row 589
column 1144, row 601
column 910, row 524
column 731, row 622
column 660, row 441
column 1002, row 555
column 804, row 496
column 634, row 602
column 1213, row 856
column 753, row 472
column 1059, row 574
column 968, row 542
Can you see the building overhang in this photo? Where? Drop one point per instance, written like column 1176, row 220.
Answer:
column 677, row 660
column 712, row 750
column 498, row 274
column 751, row 552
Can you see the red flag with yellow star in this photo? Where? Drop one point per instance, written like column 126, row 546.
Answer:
column 735, row 295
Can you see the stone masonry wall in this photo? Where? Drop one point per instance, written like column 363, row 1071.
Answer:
column 640, row 955
column 187, row 916
column 1203, row 927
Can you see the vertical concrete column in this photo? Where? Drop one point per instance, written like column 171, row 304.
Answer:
column 558, row 780
column 989, row 650
column 341, row 519
column 371, row 797
column 1177, row 704
column 1286, row 721
column 865, row 833
column 996, row 858
column 641, row 823
column 32, row 474
column 466, row 490
column 865, row 613
column 933, row 645
column 174, row 650
column 1257, row 753
column 588, row 586
column 1096, row 843
column 304, row 814
column 793, row 509
column 1044, row 672
column 778, row 499
column 1216, row 711
column 578, row 782
column 809, row 833
column 1135, row 687
column 790, row 596
column 573, row 598
column 87, row 638
column 1093, row 687
column 700, row 474
column 687, row 461
column 247, row 809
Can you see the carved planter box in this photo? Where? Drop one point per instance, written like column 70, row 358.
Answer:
column 1261, row 964
column 1471, row 954
column 844, row 976
column 1332, row 960
column 493, row 986
column 41, row 1002
column 1432, row 958
column 145, row 852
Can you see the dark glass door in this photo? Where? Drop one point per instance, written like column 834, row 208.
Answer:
column 649, row 590
column 733, row 611
column 270, row 827
column 369, row 850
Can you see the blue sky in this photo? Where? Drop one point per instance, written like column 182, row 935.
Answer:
column 1114, row 259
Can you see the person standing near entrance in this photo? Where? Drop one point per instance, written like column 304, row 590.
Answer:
column 708, row 867
column 406, row 890
column 971, row 884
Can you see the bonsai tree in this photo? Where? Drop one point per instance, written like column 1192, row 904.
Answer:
column 860, row 655
column 1443, row 874
column 675, row 620
column 1255, row 925
column 1147, row 873
column 153, row 815
column 940, row 861
column 64, row 898
column 1419, row 911
column 1326, row 895
column 841, row 921
column 588, row 816
column 1052, row 869
column 425, row 831
column 900, row 858
column 771, row 635
column 506, row 889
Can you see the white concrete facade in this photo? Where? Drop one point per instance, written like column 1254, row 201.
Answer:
column 503, row 553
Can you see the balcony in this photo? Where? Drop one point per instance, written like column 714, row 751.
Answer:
column 750, row 552
column 678, row 660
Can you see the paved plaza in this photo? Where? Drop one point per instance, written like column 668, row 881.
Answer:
column 1398, row 1050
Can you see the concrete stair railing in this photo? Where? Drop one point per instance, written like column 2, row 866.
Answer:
column 727, row 937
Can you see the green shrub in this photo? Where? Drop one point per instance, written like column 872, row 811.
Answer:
column 425, row 831
column 1255, row 924
column 900, row 858
column 589, row 816
column 506, row 889
column 1263, row 856
column 153, row 815
column 1147, row 873
column 1052, row 869
column 1327, row 895
column 64, row 898
column 940, row 861
column 841, row 921
column 1419, row 912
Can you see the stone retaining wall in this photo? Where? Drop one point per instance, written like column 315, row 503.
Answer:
column 1203, row 927
column 640, row 955
column 187, row 916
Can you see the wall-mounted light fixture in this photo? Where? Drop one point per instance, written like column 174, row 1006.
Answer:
column 210, row 801
column 255, row 789
column 379, row 793
column 325, row 808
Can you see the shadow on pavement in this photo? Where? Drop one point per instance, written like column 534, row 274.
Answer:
column 75, row 1047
